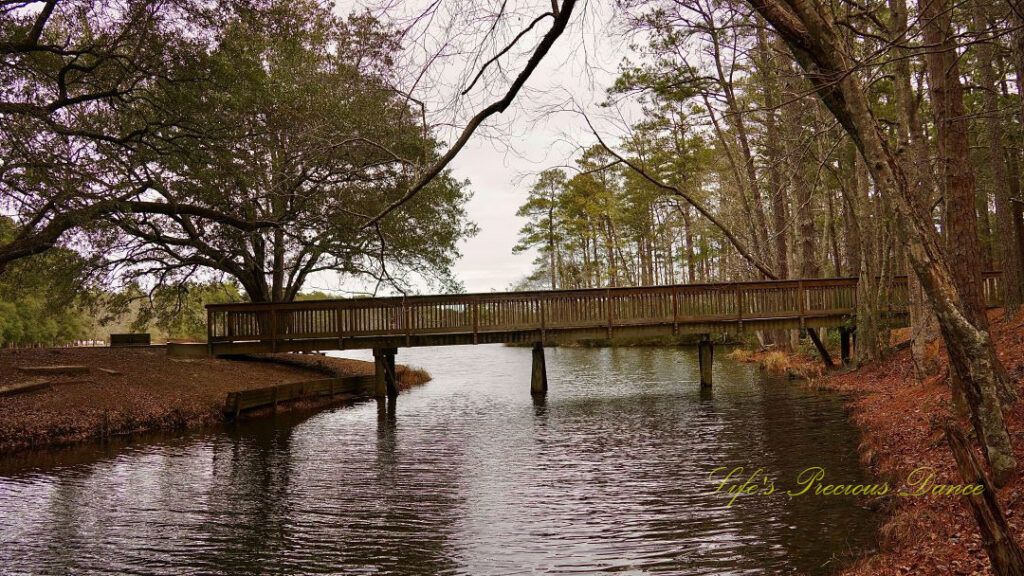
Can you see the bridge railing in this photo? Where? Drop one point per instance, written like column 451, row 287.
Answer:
column 548, row 310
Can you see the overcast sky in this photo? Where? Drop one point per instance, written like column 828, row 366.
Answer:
column 502, row 161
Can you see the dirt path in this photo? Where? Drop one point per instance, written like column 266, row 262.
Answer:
column 148, row 390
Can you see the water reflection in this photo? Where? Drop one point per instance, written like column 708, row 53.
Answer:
column 609, row 472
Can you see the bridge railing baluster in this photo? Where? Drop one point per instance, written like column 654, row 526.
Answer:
column 608, row 308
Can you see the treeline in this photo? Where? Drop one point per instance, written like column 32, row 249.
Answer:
column 735, row 171
column 609, row 227
column 57, row 298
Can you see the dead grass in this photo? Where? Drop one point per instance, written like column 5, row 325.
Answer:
column 409, row 377
column 776, row 363
column 795, row 365
column 741, row 355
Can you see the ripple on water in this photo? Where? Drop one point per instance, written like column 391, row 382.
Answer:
column 467, row 475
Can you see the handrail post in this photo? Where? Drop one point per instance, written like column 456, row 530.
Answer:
column 273, row 329
column 407, row 311
column 800, row 302
column 543, row 330
column 476, row 320
column 209, row 331
column 739, row 308
column 675, row 310
column 608, row 304
column 337, row 322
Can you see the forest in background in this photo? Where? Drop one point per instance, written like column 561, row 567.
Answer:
column 177, row 153
column 727, row 130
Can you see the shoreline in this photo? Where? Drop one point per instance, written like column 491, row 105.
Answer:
column 129, row 391
column 896, row 417
column 900, row 428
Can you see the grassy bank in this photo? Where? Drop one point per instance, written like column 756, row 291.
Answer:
column 133, row 390
column 795, row 365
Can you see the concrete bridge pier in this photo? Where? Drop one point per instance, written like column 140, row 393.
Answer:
column 539, row 374
column 705, row 356
column 384, row 372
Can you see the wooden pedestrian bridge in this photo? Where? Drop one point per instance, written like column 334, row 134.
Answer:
column 542, row 317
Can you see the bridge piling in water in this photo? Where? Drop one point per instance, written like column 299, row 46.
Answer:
column 539, row 373
column 384, row 372
column 705, row 357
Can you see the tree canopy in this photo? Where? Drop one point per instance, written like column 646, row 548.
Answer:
column 258, row 153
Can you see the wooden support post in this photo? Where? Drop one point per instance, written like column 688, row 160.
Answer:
column 825, row 356
column 390, row 376
column 379, row 379
column 384, row 372
column 844, row 344
column 539, row 375
column 705, row 356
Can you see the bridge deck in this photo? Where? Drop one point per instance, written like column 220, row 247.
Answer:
column 542, row 316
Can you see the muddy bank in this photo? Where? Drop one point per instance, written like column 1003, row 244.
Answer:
column 132, row 390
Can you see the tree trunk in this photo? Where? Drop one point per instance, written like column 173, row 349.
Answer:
column 962, row 243
column 551, row 244
column 1007, row 242
column 1017, row 18
column 811, row 35
column 996, row 533
column 858, row 203
column 913, row 154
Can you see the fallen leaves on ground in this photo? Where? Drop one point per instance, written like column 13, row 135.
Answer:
column 150, row 392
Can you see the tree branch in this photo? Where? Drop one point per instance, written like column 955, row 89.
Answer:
column 497, row 107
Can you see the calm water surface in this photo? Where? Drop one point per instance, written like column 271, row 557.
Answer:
column 466, row 475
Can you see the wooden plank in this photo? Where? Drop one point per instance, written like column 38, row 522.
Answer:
column 135, row 339
column 55, row 370
column 25, row 387
column 236, row 402
column 450, row 319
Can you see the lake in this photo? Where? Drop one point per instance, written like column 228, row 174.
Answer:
column 611, row 472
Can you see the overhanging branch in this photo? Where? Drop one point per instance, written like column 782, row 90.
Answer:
column 557, row 27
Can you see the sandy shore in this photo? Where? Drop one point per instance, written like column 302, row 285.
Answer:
column 147, row 392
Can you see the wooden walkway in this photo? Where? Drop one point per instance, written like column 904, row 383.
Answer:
column 544, row 316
